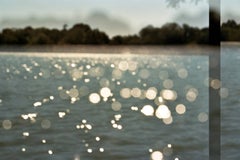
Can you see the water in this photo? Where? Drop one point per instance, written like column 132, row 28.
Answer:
column 230, row 103
column 103, row 106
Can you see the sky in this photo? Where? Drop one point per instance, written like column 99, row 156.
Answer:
column 111, row 16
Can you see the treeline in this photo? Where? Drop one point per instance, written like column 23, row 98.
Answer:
column 170, row 33
column 230, row 31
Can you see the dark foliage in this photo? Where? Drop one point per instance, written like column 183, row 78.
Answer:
column 170, row 33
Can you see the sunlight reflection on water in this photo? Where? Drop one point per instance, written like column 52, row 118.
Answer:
column 106, row 106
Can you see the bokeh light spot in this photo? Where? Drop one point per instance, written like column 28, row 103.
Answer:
column 7, row 124
column 163, row 112
column 156, row 155
column 180, row 109
column 147, row 110
column 94, row 98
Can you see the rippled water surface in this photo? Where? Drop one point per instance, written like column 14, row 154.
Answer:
column 230, row 103
column 110, row 106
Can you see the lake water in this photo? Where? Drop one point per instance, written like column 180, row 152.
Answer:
column 113, row 106
column 230, row 103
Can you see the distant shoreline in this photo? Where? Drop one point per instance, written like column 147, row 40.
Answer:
column 108, row 50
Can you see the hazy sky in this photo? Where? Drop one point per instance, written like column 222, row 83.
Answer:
column 111, row 16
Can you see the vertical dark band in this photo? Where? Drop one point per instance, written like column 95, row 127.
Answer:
column 214, row 74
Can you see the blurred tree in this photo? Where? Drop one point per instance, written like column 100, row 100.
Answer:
column 230, row 31
column 214, row 18
column 9, row 36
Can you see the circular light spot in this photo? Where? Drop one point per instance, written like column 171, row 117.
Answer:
column 50, row 152
column 163, row 112
column 157, row 155
column 144, row 73
column 132, row 66
column 63, row 94
column 136, row 92
column 105, row 92
column 163, row 75
column 23, row 149
column 182, row 73
column 7, row 124
column 168, row 83
column 123, row 65
column 192, row 94
column 125, row 93
column 180, row 109
column 94, row 98
column 147, row 110
column 101, row 149
column 104, row 82
column 89, row 150
column 46, row 124
column 223, row 92
column 97, row 138
column 116, row 106
column 73, row 93
column 215, row 84
column 117, row 74
column 203, row 117
column 168, row 120
column 61, row 114
column 151, row 93
column 169, row 94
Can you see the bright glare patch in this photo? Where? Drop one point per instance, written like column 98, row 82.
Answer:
column 163, row 112
column 151, row 93
column 203, row 117
column 157, row 155
column 180, row 109
column 94, row 98
column 89, row 150
column 105, row 92
column 147, row 110
column 61, row 114
column 50, row 152
column 7, row 124
column 26, row 134
column 23, row 149
column 118, row 117
column 101, row 149
column 97, row 138
column 37, row 104
column 134, row 108
column 169, row 94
